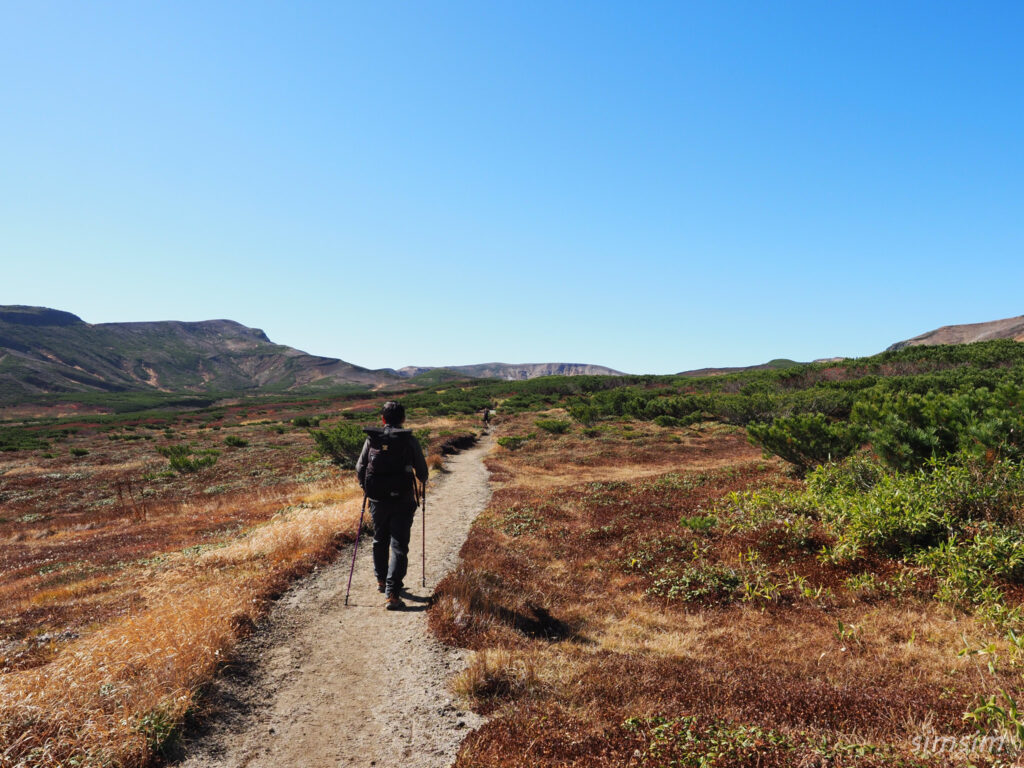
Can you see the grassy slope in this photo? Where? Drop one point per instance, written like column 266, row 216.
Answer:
column 434, row 377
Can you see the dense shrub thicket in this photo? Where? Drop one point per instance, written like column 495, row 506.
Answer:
column 515, row 396
column 909, row 429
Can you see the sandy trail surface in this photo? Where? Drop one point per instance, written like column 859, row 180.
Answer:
column 321, row 684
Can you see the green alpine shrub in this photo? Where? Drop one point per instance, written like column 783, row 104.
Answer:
column 341, row 443
column 807, row 439
column 554, row 426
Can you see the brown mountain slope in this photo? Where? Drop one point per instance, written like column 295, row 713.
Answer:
column 1010, row 328
column 45, row 351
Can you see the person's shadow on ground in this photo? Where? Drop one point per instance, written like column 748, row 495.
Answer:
column 419, row 604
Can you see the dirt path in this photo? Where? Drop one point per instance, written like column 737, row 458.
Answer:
column 325, row 685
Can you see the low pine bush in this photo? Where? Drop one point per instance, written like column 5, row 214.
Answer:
column 183, row 459
column 807, row 439
column 554, row 426
column 583, row 412
column 512, row 442
column 908, row 429
column 341, row 443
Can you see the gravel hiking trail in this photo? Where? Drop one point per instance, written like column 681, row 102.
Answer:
column 321, row 684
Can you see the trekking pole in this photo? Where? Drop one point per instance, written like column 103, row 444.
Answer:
column 359, row 534
column 424, row 542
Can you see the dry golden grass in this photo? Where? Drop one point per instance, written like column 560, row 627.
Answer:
column 115, row 694
column 497, row 674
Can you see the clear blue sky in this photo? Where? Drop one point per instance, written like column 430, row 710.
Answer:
column 649, row 186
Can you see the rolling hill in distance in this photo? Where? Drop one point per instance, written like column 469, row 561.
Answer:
column 779, row 363
column 1009, row 328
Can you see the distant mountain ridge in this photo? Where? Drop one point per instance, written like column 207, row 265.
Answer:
column 1009, row 328
column 46, row 351
column 514, row 371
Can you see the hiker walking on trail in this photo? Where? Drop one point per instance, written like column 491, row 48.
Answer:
column 486, row 416
column 389, row 465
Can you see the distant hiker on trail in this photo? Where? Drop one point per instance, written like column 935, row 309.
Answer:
column 389, row 465
column 487, row 416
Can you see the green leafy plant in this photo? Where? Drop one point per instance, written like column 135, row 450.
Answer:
column 158, row 726
column 521, row 519
column 702, row 742
column 701, row 583
column 698, row 523
column 850, row 635
column 1000, row 711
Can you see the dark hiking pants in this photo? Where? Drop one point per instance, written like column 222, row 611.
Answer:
column 392, row 526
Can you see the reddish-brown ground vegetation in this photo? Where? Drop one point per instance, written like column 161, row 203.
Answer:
column 621, row 617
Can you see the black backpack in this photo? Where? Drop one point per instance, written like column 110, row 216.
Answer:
column 387, row 476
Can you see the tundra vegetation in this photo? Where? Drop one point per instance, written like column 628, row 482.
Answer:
column 646, row 589
column 810, row 565
column 138, row 547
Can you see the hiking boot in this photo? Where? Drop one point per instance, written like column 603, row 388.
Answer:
column 394, row 603
column 380, row 587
